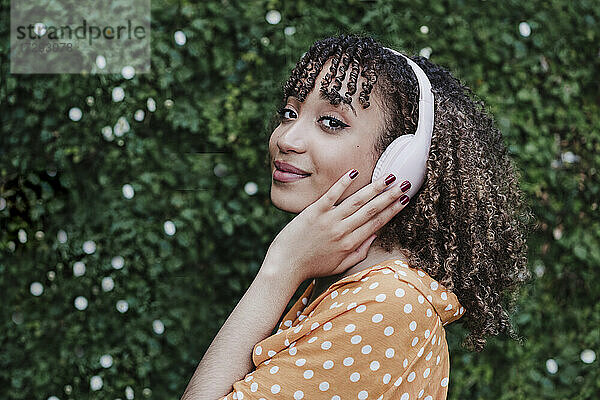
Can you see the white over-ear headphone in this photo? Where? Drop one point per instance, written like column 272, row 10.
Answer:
column 406, row 157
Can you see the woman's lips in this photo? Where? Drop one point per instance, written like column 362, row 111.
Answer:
column 284, row 176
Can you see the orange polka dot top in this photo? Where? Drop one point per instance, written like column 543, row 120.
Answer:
column 377, row 334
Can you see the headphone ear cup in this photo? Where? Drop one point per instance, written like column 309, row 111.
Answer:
column 395, row 151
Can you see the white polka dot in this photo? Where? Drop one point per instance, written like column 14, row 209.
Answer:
column 274, row 369
column 271, row 353
column 373, row 285
column 323, row 386
column 405, row 363
column 412, row 326
column 428, row 398
column 275, row 389
column 399, row 292
column 328, row 364
column 356, row 339
column 357, row 290
column 298, row 328
column 403, row 273
column 426, row 372
column 293, row 351
column 444, row 382
column 345, row 291
column 297, row 313
column 327, row 326
column 389, row 353
column 298, row 395
column 240, row 395
column 366, row 349
column 286, row 342
column 300, row 362
column 433, row 285
column 326, row 345
column 380, row 297
column 388, row 330
column 366, row 278
column 267, row 362
column 363, row 394
column 336, row 397
column 429, row 355
column 448, row 307
column 312, row 339
column 405, row 396
column 374, row 365
column 437, row 361
column 334, row 305
column 398, row 382
column 288, row 323
column 249, row 378
column 334, row 294
column 421, row 299
column 304, row 300
column 361, row 308
column 308, row 374
column 258, row 350
column 386, row 271
column 355, row 377
column 351, row 305
column 314, row 326
column 429, row 313
column 407, row 308
column 386, row 378
column 462, row 310
column 348, row 361
column 254, row 387
column 444, row 296
column 414, row 341
column 350, row 328
column 420, row 393
column 421, row 273
column 411, row 377
column 427, row 333
column 429, row 298
column 439, row 340
column 377, row 318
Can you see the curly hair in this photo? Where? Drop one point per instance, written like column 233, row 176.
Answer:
column 467, row 225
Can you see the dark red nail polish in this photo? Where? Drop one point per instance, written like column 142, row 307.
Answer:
column 391, row 178
column 405, row 186
column 353, row 173
column 404, row 199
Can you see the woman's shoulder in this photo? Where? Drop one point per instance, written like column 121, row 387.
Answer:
column 394, row 284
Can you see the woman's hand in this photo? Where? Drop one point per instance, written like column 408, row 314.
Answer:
column 325, row 239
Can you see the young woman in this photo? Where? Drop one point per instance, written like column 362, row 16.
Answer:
column 388, row 270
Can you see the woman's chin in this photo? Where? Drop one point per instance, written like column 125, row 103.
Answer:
column 289, row 204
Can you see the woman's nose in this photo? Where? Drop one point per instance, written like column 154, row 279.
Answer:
column 293, row 137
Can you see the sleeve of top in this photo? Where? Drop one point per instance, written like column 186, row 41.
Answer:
column 362, row 341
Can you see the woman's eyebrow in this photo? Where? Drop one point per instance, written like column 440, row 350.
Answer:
column 345, row 106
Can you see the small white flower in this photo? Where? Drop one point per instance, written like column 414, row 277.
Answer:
column 36, row 288
column 151, row 104
column 118, row 94
column 89, row 247
column 524, row 29
column 75, row 113
column 128, row 72
column 129, row 393
column 106, row 360
column 180, row 38
column 81, row 303
column 425, row 52
column 588, row 356
column 251, row 188
column 108, row 284
column 128, row 191
column 273, row 17
column 122, row 306
column 96, row 382
column 139, row 115
column 117, row 262
column 424, row 29
column 78, row 268
column 22, row 235
column 100, row 62
column 289, row 30
column 158, row 326
column 169, row 228
column 551, row 366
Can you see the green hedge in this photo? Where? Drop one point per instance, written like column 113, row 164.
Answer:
column 197, row 165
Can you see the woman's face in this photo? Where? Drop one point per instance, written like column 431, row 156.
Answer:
column 325, row 141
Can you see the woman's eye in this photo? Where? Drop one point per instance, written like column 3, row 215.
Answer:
column 334, row 123
column 283, row 113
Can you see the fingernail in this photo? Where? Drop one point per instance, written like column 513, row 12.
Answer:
column 353, row 173
column 404, row 199
column 405, row 186
column 391, row 178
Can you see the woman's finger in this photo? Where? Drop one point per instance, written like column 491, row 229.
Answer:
column 365, row 195
column 374, row 224
column 328, row 200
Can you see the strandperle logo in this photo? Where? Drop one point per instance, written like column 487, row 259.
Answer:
column 79, row 36
column 83, row 31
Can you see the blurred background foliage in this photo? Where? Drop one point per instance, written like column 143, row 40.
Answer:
column 135, row 210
